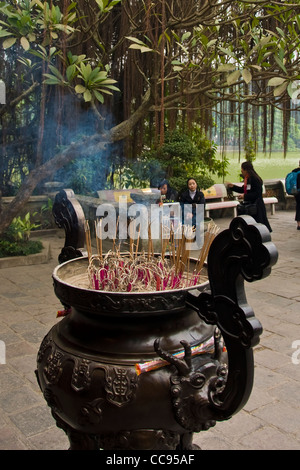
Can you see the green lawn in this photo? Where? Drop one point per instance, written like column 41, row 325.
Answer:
column 267, row 167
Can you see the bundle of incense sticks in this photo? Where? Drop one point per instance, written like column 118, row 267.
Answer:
column 208, row 347
column 209, row 237
column 137, row 272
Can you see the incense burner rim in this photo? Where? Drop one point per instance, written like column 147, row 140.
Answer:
column 61, row 281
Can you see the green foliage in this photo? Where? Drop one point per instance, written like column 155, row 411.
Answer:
column 15, row 241
column 249, row 53
column 138, row 44
column 133, row 175
column 21, row 248
column 41, row 23
column 208, row 154
column 93, row 82
column 47, row 208
column 250, row 149
column 84, row 175
column 45, row 215
column 180, row 183
column 106, row 5
column 34, row 20
column 183, row 156
column 19, row 229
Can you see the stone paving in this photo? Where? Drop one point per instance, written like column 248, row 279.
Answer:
column 269, row 421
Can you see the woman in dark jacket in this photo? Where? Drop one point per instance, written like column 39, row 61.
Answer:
column 191, row 196
column 170, row 194
column 252, row 190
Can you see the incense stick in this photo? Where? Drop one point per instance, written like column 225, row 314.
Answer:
column 209, row 237
column 114, row 240
column 88, row 239
column 99, row 239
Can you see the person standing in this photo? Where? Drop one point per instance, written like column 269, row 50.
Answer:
column 252, row 190
column 192, row 196
column 297, row 197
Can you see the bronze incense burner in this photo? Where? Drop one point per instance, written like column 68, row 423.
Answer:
column 132, row 371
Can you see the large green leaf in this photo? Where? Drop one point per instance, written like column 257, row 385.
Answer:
column 87, row 95
column 233, row 77
column 9, row 42
column 279, row 90
column 80, row 89
column 247, row 75
column 25, row 43
column 276, row 81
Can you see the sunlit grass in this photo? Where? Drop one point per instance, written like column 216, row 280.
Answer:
column 268, row 167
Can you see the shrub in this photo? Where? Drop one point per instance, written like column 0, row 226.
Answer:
column 15, row 241
column 20, row 248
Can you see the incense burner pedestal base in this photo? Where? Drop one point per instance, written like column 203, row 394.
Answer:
column 99, row 375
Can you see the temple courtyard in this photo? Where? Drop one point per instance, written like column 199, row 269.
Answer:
column 269, row 421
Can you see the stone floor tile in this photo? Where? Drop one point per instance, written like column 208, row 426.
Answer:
column 33, row 421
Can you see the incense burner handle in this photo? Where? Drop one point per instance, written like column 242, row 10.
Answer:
column 68, row 214
column 242, row 252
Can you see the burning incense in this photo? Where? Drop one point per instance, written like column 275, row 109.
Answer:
column 114, row 240
column 99, row 240
column 150, row 243
column 210, row 235
column 144, row 272
column 88, row 239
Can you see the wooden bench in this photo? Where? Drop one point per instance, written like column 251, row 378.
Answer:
column 217, row 195
column 267, row 200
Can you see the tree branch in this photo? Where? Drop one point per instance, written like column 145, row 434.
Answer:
column 19, row 98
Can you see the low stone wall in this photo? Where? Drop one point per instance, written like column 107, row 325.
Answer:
column 90, row 204
column 35, row 205
column 38, row 258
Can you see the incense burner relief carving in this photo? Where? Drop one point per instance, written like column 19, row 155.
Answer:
column 119, row 387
